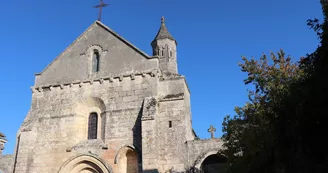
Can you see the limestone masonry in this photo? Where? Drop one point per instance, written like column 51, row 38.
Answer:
column 104, row 106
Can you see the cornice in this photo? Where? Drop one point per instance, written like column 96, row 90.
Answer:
column 110, row 79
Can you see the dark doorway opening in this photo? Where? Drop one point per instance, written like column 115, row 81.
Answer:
column 214, row 164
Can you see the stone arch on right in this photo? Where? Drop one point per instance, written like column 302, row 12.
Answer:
column 214, row 163
column 127, row 160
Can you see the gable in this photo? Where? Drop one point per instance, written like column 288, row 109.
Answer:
column 117, row 57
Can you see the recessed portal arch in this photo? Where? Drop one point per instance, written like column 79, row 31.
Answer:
column 211, row 162
column 85, row 164
column 214, row 163
column 127, row 160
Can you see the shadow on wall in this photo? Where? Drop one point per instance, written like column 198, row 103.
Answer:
column 215, row 163
column 151, row 171
column 188, row 170
column 137, row 138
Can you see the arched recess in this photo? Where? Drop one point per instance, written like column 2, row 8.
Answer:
column 212, row 162
column 84, row 107
column 85, row 164
column 90, row 51
column 127, row 159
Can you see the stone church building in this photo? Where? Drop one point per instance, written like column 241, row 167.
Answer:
column 105, row 106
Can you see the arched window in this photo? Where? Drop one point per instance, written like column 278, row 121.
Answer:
column 95, row 61
column 93, row 126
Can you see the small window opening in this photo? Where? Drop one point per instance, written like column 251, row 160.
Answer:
column 171, row 54
column 95, row 61
column 170, row 124
column 93, row 126
column 162, row 52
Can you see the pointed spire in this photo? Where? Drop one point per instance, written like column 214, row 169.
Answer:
column 163, row 32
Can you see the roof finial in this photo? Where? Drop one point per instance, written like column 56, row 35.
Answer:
column 100, row 6
column 162, row 19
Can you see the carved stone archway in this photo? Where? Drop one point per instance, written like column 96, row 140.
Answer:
column 85, row 164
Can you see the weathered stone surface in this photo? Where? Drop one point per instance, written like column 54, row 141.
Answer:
column 6, row 163
column 142, row 108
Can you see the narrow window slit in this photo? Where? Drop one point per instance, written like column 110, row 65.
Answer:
column 93, row 126
column 95, row 61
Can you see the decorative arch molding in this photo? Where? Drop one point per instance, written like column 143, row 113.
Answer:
column 85, row 162
column 205, row 155
column 83, row 106
column 97, row 47
column 92, row 47
column 88, row 55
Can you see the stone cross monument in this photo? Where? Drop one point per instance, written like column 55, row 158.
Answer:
column 212, row 130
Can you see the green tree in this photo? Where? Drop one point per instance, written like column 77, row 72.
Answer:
column 302, row 115
column 249, row 135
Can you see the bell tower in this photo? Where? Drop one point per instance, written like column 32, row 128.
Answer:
column 165, row 47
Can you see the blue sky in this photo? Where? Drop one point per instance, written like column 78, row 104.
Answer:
column 212, row 36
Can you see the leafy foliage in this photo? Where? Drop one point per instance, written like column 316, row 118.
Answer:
column 249, row 135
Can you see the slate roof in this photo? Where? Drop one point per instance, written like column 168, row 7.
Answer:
column 163, row 32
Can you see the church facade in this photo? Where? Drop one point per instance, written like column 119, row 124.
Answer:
column 105, row 106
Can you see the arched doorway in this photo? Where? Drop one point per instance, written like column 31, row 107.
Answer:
column 127, row 160
column 214, row 164
column 84, row 164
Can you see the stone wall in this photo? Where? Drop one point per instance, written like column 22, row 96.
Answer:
column 56, row 126
column 6, row 163
column 199, row 150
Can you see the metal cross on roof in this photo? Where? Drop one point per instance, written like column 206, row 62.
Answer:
column 212, row 130
column 100, row 6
